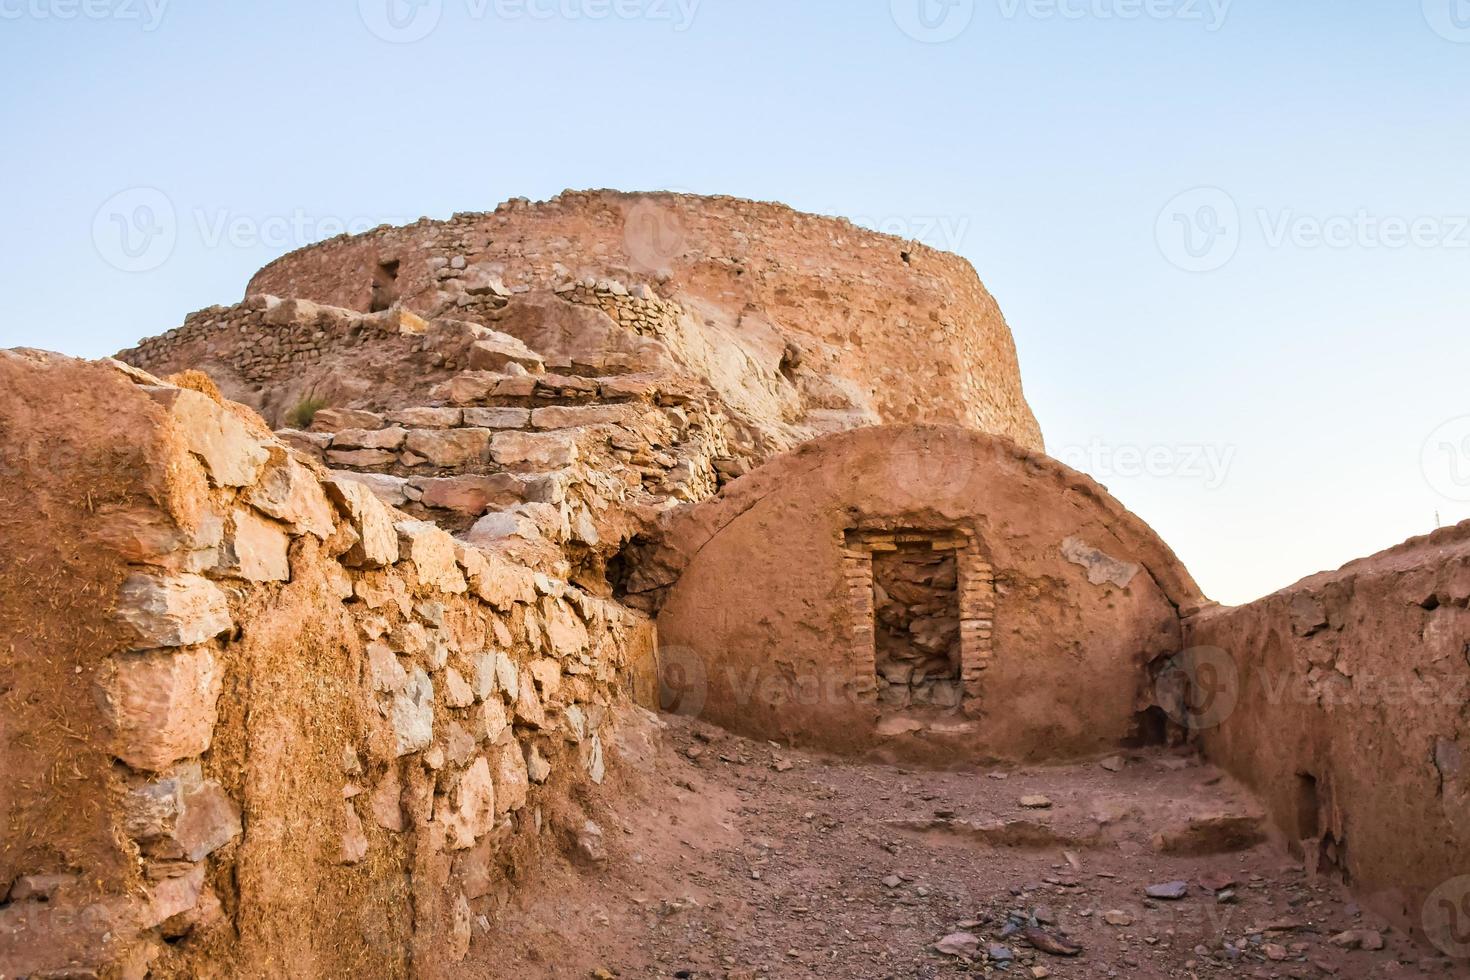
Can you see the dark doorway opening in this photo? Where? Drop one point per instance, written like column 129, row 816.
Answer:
column 916, row 612
column 385, row 286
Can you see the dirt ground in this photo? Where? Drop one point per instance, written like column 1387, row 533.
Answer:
column 736, row 860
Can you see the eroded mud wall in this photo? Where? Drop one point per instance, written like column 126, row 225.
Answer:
column 254, row 717
column 1344, row 701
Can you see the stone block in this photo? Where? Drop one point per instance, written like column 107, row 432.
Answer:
column 494, row 580
column 564, row 631
column 338, row 419
column 498, row 418
column 312, row 444
column 449, row 447
column 431, row 550
column 232, row 455
column 384, row 673
column 360, row 457
column 508, row 675
column 291, row 493
column 389, row 438
column 493, row 720
column 529, row 709
column 472, row 814
column 173, row 611
column 412, row 714
column 457, row 691
column 572, row 416
column 256, row 550
column 512, row 782
column 354, row 838
column 428, row 418
column 539, row 450
column 391, row 490
column 538, row 770
column 496, row 351
column 547, row 675
column 472, row 494
column 162, row 706
column 377, row 543
column 181, row 817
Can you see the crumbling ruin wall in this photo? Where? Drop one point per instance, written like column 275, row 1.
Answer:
column 253, row 716
column 803, row 324
column 1344, row 701
column 767, row 604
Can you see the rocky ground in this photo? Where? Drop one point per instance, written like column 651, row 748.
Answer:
column 764, row 863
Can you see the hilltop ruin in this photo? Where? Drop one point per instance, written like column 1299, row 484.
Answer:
column 337, row 621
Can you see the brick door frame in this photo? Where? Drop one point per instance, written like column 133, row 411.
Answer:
column 975, row 593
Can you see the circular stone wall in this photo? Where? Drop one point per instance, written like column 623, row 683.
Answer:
column 793, row 318
column 1060, row 600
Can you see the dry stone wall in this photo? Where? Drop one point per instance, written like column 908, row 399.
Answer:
column 303, row 733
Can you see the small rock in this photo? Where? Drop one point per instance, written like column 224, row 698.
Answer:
column 892, row 881
column 1358, row 939
column 1171, row 892
column 1046, row 942
column 1117, row 917
column 959, row 944
column 1037, row 802
column 1113, row 763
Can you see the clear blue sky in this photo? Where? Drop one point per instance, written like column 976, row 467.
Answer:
column 1284, row 355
